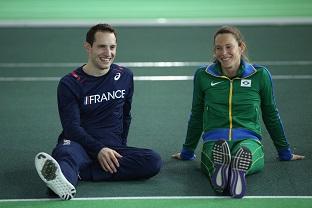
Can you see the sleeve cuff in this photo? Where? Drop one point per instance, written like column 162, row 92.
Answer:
column 187, row 154
column 285, row 154
column 94, row 152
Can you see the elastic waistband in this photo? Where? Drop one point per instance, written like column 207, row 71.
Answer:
column 237, row 134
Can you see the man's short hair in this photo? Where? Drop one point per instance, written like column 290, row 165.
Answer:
column 99, row 28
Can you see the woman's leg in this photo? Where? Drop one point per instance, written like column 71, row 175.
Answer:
column 247, row 158
column 256, row 149
column 215, row 165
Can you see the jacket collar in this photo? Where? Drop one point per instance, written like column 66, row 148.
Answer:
column 246, row 69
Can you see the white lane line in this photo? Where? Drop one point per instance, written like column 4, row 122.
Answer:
column 28, row 79
column 155, row 198
column 162, row 78
column 160, row 22
column 144, row 78
column 150, row 64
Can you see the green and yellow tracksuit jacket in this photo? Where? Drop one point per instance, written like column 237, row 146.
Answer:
column 230, row 109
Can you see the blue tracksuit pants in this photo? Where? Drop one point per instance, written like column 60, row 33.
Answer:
column 75, row 163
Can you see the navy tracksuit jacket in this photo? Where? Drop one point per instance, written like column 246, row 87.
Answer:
column 95, row 113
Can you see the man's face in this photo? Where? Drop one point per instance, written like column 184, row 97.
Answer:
column 103, row 50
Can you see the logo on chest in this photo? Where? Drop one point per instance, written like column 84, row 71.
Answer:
column 245, row 83
column 106, row 96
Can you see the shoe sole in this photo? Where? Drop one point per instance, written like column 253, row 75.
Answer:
column 221, row 159
column 239, row 166
column 50, row 172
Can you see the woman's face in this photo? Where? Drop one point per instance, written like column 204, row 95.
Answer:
column 228, row 51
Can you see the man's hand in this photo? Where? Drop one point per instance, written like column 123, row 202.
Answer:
column 108, row 159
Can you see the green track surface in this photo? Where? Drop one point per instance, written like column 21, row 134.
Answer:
column 143, row 9
column 29, row 120
column 168, row 203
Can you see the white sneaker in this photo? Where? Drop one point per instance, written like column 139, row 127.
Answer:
column 221, row 157
column 50, row 172
column 241, row 162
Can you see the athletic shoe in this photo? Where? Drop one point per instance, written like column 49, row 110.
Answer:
column 239, row 166
column 50, row 172
column 221, row 157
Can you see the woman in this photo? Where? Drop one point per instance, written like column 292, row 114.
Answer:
column 228, row 97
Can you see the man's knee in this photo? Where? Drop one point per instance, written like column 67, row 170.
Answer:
column 71, row 152
column 153, row 164
column 64, row 151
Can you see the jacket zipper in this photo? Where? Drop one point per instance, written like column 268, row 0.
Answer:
column 230, row 109
column 230, row 99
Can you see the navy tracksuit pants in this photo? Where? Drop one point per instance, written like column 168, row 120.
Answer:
column 75, row 163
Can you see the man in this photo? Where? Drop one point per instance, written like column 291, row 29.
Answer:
column 94, row 103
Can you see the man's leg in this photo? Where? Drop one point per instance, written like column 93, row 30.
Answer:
column 60, row 171
column 50, row 172
column 135, row 164
column 71, row 157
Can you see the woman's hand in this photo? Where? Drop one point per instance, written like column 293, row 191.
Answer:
column 297, row 157
column 177, row 156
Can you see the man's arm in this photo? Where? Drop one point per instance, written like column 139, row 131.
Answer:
column 68, row 106
column 127, row 112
